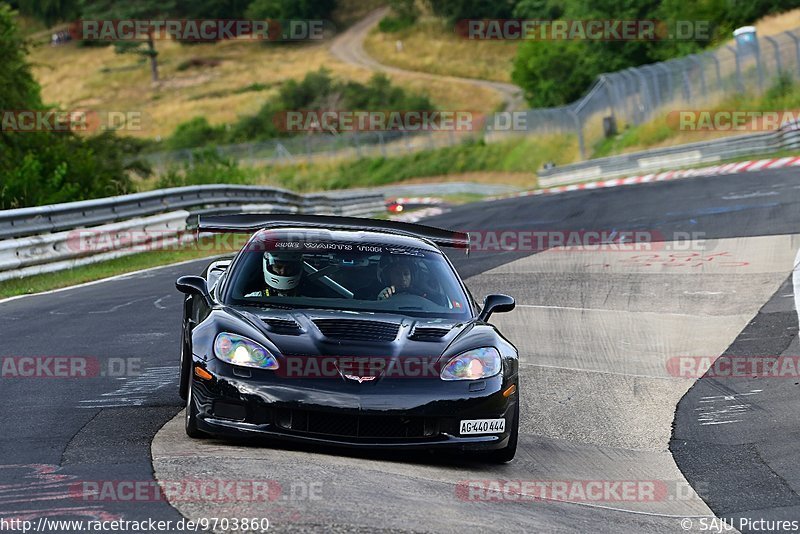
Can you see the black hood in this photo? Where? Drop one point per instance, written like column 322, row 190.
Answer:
column 358, row 334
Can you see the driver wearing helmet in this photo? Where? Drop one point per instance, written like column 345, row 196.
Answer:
column 283, row 272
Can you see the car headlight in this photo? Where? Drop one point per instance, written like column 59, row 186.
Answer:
column 239, row 350
column 473, row 364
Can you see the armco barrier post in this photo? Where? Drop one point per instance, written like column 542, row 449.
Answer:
column 579, row 132
column 777, row 51
column 796, row 41
column 715, row 59
column 700, row 70
column 739, row 81
column 668, row 79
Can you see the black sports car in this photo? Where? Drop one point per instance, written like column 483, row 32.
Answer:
column 346, row 331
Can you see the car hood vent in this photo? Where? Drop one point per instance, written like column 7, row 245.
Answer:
column 282, row 326
column 429, row 333
column 358, row 330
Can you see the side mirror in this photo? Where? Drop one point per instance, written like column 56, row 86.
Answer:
column 193, row 285
column 496, row 304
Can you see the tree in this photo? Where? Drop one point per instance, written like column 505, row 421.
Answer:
column 552, row 73
column 557, row 72
column 538, row 9
column 45, row 167
column 403, row 15
column 18, row 89
column 132, row 10
column 290, row 9
column 212, row 9
column 50, row 11
column 455, row 10
column 193, row 133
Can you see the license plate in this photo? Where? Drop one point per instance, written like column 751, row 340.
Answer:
column 483, row 426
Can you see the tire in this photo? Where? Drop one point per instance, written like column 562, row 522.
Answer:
column 507, row 453
column 191, row 414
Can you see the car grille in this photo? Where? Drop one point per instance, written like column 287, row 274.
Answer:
column 357, row 330
column 355, row 426
column 426, row 333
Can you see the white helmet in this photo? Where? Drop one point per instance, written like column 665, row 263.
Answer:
column 283, row 269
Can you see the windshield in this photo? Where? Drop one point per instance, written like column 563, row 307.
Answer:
column 347, row 276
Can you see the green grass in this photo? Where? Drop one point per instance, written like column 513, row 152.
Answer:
column 648, row 134
column 462, row 198
column 523, row 154
column 516, row 155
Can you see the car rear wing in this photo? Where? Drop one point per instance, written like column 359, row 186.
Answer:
column 251, row 223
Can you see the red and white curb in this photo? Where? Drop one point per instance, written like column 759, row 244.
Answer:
column 416, row 200
column 714, row 170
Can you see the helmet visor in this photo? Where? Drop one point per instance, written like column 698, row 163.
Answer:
column 284, row 268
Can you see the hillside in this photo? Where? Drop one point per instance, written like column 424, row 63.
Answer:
column 231, row 79
column 431, row 45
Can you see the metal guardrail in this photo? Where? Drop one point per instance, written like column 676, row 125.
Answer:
column 672, row 157
column 134, row 234
column 195, row 199
column 61, row 236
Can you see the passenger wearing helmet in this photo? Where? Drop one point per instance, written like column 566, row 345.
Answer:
column 283, row 273
column 402, row 275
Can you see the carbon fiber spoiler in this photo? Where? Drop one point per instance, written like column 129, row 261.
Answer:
column 251, row 223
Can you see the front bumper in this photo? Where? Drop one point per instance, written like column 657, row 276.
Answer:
column 389, row 413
